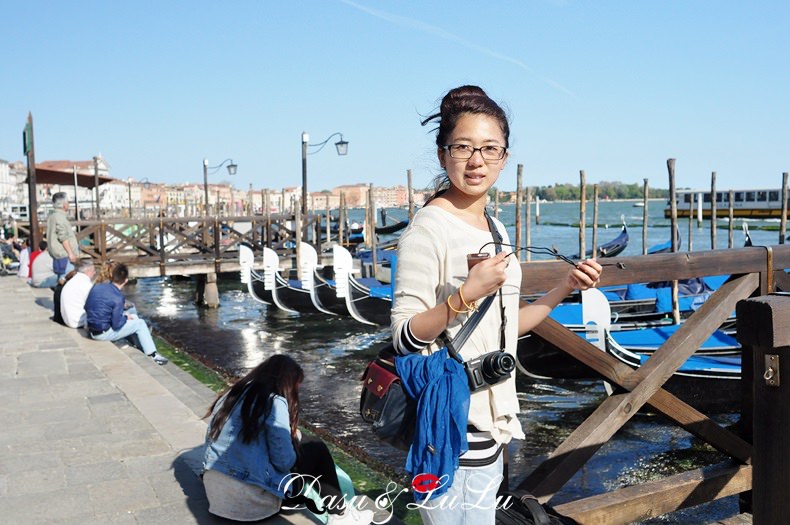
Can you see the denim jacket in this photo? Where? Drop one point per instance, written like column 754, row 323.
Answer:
column 266, row 461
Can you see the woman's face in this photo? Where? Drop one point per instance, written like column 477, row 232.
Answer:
column 474, row 176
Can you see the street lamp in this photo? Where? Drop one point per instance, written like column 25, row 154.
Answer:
column 231, row 171
column 342, row 149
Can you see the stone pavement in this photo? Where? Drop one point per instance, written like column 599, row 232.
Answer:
column 92, row 433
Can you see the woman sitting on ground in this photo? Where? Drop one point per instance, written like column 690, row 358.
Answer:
column 255, row 456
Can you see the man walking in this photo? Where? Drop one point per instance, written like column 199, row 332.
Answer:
column 105, row 317
column 62, row 242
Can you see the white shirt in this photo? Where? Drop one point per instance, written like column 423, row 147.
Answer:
column 24, row 263
column 72, row 299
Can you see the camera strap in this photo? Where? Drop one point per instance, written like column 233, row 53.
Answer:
column 454, row 345
column 498, row 240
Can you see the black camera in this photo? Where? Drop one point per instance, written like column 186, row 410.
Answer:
column 489, row 369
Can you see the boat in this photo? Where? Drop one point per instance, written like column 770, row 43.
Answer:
column 709, row 383
column 641, row 332
column 752, row 203
column 367, row 300
column 638, row 204
column 610, row 249
column 252, row 278
column 271, row 288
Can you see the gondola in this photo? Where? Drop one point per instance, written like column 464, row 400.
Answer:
column 610, row 249
column 709, row 383
column 324, row 290
column 272, row 288
column 367, row 300
column 537, row 357
column 252, row 278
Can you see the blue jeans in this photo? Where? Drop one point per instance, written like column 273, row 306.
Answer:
column 471, row 500
column 49, row 282
column 62, row 266
column 132, row 327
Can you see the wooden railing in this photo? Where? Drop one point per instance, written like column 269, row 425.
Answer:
column 185, row 246
column 753, row 271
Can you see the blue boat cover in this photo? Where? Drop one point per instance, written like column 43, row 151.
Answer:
column 656, row 336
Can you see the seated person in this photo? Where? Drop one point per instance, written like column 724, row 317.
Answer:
column 43, row 275
column 24, row 260
column 255, row 457
column 33, row 255
column 75, row 293
column 58, row 291
column 105, row 317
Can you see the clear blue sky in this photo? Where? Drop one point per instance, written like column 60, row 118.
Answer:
column 613, row 88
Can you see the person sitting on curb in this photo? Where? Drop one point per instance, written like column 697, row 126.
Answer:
column 58, row 291
column 42, row 273
column 105, row 317
column 75, row 293
column 255, row 458
column 23, row 272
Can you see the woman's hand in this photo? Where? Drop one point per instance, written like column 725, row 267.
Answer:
column 586, row 274
column 485, row 277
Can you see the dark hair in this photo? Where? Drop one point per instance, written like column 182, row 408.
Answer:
column 280, row 375
column 457, row 102
column 42, row 245
column 120, row 273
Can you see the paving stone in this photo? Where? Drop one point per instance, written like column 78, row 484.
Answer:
column 17, row 463
column 37, row 481
column 89, row 474
column 127, row 494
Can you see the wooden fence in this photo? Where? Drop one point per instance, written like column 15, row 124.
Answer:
column 189, row 245
column 753, row 271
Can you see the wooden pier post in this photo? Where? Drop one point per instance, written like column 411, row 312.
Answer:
column 372, row 231
column 328, row 225
column 528, row 220
column 268, row 215
column 645, row 190
column 341, row 228
column 595, row 220
column 582, row 211
column 298, row 238
column 691, row 223
column 410, row 194
column 713, row 210
column 496, row 204
column 731, row 216
column 762, row 326
column 519, row 174
column 673, row 211
column 783, row 220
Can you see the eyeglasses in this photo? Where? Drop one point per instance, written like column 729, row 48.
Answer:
column 465, row 151
column 540, row 250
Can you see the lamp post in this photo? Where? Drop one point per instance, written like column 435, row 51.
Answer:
column 342, row 149
column 231, row 171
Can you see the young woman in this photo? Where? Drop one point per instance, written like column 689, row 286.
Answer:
column 435, row 292
column 255, row 457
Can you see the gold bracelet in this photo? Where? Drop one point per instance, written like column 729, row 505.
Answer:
column 453, row 309
column 469, row 307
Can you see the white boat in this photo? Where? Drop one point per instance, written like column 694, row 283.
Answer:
column 752, row 203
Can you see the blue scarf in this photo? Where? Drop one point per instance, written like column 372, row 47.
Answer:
column 442, row 390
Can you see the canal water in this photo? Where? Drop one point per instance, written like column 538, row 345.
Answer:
column 334, row 351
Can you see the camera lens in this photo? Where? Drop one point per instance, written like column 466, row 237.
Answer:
column 497, row 365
